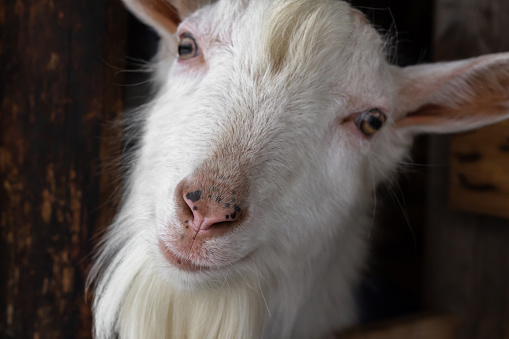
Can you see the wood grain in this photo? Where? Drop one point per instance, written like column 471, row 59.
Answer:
column 56, row 92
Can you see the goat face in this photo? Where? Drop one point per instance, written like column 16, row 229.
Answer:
column 262, row 150
column 270, row 132
column 260, row 146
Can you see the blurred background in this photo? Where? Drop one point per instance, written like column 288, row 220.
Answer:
column 439, row 263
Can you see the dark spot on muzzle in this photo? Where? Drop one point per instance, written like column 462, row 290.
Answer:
column 194, row 196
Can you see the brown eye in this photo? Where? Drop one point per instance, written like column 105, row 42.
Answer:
column 370, row 121
column 188, row 48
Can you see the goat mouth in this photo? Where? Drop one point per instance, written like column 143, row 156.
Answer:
column 179, row 262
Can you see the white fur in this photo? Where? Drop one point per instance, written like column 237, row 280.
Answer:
column 276, row 102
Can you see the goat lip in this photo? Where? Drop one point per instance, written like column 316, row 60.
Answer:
column 181, row 263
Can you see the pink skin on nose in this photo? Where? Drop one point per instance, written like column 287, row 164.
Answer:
column 201, row 222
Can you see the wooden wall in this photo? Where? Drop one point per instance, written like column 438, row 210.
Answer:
column 467, row 254
column 58, row 91
column 479, row 177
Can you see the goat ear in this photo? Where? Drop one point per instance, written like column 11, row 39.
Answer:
column 453, row 96
column 164, row 15
column 187, row 7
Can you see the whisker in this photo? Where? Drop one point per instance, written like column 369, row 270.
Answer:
column 261, row 291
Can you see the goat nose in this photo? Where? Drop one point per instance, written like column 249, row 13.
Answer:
column 209, row 204
column 204, row 214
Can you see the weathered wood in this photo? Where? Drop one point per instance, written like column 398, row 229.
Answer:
column 57, row 91
column 465, row 29
column 415, row 327
column 467, row 257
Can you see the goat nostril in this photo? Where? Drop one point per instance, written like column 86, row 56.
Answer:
column 202, row 213
column 206, row 202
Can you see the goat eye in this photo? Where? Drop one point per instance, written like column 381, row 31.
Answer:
column 370, row 121
column 188, row 48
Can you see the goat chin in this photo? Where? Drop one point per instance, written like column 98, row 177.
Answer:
column 233, row 312
column 153, row 308
column 139, row 296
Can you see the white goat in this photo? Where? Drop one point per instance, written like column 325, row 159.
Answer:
column 248, row 204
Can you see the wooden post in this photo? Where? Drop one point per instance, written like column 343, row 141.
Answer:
column 58, row 91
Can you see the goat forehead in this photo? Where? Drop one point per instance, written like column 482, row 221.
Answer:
column 289, row 32
column 300, row 30
column 317, row 48
column 283, row 24
column 321, row 40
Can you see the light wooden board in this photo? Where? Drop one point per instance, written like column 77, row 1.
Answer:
column 479, row 175
column 417, row 327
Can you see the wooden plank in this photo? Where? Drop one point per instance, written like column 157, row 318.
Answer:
column 55, row 96
column 415, row 327
column 479, row 172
